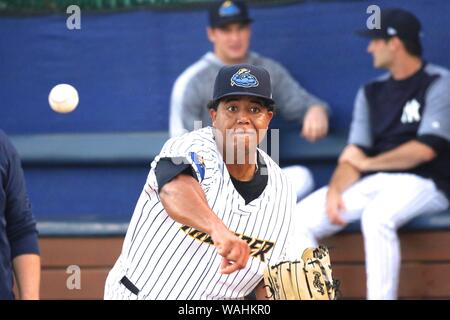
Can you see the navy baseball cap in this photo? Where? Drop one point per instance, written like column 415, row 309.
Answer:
column 395, row 23
column 222, row 13
column 243, row 80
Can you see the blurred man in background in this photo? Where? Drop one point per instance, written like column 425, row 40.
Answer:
column 396, row 164
column 229, row 31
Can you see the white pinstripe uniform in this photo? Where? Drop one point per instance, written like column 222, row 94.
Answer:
column 166, row 260
column 385, row 201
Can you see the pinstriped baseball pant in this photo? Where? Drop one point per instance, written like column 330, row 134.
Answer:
column 384, row 202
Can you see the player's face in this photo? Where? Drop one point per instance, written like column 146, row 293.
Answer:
column 242, row 121
column 382, row 53
column 231, row 42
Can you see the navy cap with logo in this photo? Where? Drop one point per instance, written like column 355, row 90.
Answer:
column 222, row 13
column 243, row 80
column 395, row 23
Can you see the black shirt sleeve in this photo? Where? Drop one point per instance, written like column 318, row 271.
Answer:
column 437, row 143
column 166, row 170
column 367, row 151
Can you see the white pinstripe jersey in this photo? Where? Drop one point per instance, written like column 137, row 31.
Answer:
column 166, row 260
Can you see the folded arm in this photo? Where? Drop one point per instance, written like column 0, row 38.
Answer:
column 406, row 156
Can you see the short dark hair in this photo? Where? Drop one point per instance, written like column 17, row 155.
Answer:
column 224, row 26
column 214, row 104
column 413, row 47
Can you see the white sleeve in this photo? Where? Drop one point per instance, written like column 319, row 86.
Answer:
column 437, row 111
column 360, row 131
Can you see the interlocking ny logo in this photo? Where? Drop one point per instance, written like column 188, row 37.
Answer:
column 411, row 112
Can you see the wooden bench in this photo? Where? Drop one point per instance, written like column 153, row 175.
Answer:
column 425, row 246
column 94, row 247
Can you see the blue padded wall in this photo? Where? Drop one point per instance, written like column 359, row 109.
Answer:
column 124, row 64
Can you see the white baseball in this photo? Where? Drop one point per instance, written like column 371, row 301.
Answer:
column 63, row 98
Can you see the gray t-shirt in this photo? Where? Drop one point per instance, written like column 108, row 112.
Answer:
column 194, row 89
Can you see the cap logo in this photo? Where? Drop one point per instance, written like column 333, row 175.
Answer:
column 243, row 78
column 391, row 31
column 228, row 8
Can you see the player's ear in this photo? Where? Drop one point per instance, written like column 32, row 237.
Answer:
column 211, row 35
column 249, row 31
column 213, row 115
column 394, row 43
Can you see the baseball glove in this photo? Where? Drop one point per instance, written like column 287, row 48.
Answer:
column 306, row 279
